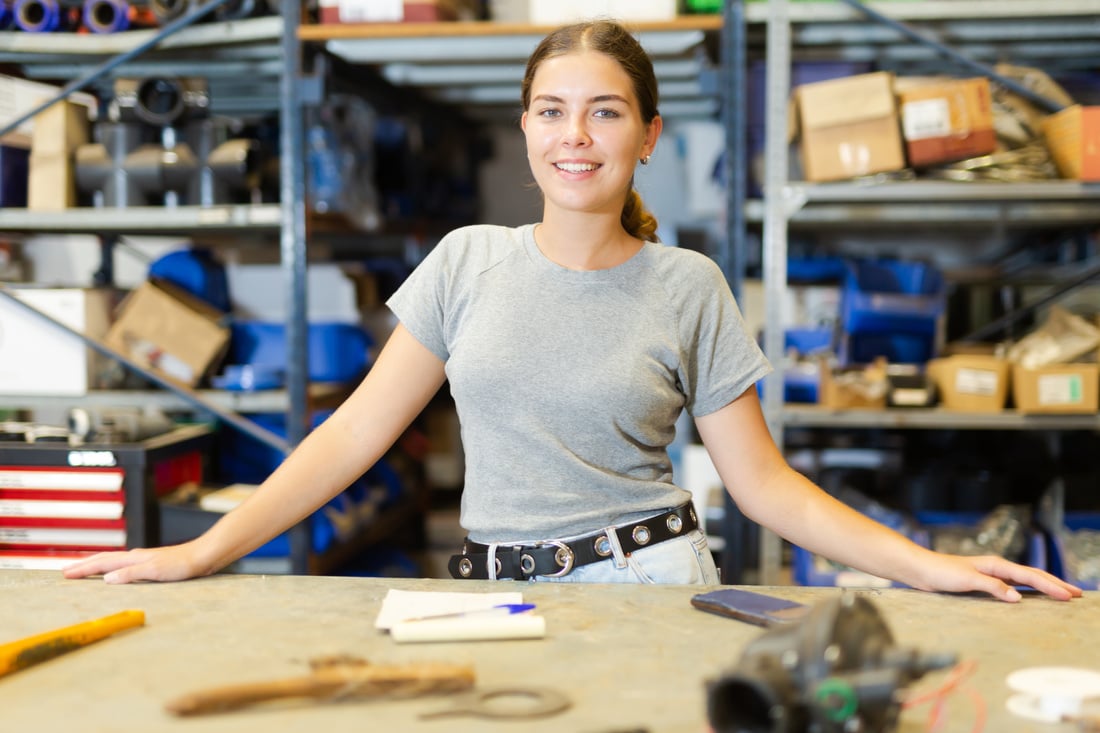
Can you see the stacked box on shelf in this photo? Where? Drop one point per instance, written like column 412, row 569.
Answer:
column 891, row 309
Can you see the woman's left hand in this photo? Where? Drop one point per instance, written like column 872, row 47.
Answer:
column 993, row 575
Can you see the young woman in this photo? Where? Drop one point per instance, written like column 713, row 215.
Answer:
column 571, row 347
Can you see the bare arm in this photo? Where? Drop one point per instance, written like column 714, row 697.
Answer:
column 776, row 496
column 395, row 390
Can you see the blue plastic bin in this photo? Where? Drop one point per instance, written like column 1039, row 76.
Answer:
column 244, row 459
column 195, row 271
column 1073, row 521
column 338, row 352
column 891, row 296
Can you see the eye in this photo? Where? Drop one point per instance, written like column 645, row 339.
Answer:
column 607, row 113
column 548, row 112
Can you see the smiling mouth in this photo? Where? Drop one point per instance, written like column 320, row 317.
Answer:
column 576, row 167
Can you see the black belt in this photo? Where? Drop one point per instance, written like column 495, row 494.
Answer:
column 555, row 558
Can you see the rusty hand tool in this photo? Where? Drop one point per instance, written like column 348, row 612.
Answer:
column 342, row 679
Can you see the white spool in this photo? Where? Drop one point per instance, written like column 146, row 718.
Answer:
column 1051, row 694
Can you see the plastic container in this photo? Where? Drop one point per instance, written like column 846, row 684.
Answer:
column 196, row 271
column 891, row 296
column 338, row 352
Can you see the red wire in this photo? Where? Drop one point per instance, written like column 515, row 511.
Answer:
column 939, row 695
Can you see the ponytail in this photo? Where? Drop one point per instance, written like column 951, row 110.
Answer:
column 637, row 220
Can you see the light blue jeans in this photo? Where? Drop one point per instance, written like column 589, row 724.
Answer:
column 684, row 560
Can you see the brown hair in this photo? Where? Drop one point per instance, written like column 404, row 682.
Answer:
column 611, row 39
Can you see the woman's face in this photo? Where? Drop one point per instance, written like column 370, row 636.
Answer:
column 585, row 132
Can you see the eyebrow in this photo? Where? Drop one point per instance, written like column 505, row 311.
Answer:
column 598, row 98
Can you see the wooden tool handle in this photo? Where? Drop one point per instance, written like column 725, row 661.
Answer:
column 331, row 683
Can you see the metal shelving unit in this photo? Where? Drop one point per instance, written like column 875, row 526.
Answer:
column 1059, row 33
column 254, row 66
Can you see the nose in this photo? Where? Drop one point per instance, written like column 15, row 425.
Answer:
column 576, row 132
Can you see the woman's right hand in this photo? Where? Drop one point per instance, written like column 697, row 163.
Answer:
column 176, row 562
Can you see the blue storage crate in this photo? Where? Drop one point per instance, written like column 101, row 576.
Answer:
column 896, row 348
column 891, row 296
column 1035, row 555
column 811, row 569
column 890, row 309
column 1061, row 564
column 194, row 270
column 338, row 352
column 244, row 459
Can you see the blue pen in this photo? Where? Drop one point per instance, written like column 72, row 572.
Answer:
column 505, row 609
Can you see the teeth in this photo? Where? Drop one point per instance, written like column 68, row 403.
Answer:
column 576, row 167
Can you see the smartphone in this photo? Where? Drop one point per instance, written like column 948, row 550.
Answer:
column 754, row 608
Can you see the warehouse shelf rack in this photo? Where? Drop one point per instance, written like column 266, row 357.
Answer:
column 1063, row 34
column 269, row 50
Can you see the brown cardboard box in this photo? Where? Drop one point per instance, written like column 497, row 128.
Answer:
column 171, row 332
column 945, row 121
column 1056, row 389
column 971, row 382
column 58, row 132
column 1073, row 138
column 853, row 389
column 849, row 127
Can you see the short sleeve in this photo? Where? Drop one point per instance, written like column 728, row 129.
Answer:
column 420, row 302
column 720, row 358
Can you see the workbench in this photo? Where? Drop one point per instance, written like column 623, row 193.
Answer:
column 630, row 657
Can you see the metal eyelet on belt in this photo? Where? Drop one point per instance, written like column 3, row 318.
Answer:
column 674, row 523
column 526, row 564
column 641, row 534
column 465, row 567
column 496, row 560
column 564, row 557
column 602, row 546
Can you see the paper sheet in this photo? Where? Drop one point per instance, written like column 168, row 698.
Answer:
column 401, row 605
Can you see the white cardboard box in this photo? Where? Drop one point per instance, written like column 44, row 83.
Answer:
column 37, row 357
column 556, row 12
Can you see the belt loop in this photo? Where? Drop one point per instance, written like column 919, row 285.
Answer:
column 491, row 561
column 616, row 548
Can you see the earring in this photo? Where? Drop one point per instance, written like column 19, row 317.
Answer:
column 645, row 160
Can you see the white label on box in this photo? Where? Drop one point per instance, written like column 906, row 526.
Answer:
column 372, row 11
column 981, row 382
column 926, row 118
column 1060, row 389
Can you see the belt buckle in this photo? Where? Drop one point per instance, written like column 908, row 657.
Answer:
column 564, row 551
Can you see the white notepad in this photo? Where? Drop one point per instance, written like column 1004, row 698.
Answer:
column 402, row 605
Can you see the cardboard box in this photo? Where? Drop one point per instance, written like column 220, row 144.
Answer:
column 946, row 121
column 1057, row 389
column 387, row 11
column 1073, row 138
column 169, row 331
column 971, row 382
column 853, row 389
column 19, row 96
column 58, row 132
column 37, row 357
column 849, row 127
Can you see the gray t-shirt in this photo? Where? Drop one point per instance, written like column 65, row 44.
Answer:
column 568, row 384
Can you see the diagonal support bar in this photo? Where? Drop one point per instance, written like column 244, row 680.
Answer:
column 1011, row 84
column 77, row 84
column 240, row 423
